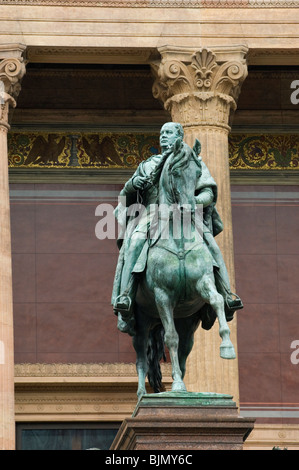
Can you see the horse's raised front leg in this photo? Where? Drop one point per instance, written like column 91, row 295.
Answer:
column 206, row 288
column 171, row 337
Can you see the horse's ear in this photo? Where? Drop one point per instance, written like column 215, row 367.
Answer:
column 197, row 147
column 177, row 144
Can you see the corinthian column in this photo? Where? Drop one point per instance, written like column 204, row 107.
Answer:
column 200, row 89
column 12, row 69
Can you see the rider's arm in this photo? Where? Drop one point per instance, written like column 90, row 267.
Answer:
column 137, row 181
column 129, row 186
column 205, row 197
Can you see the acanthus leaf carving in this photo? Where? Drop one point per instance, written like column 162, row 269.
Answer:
column 229, row 76
column 6, row 101
column 211, row 86
column 172, row 78
column 203, row 62
column 12, row 71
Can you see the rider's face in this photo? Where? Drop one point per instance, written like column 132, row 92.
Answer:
column 168, row 136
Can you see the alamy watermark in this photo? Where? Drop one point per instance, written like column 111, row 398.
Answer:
column 156, row 221
column 295, row 93
column 295, row 353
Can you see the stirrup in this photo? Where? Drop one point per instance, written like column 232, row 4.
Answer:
column 123, row 307
column 234, row 304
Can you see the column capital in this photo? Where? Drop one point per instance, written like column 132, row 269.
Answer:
column 200, row 87
column 12, row 70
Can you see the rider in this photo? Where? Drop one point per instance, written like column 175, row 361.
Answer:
column 143, row 183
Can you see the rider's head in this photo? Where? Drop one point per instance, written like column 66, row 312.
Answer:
column 170, row 132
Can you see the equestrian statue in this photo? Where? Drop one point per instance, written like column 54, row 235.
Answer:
column 170, row 276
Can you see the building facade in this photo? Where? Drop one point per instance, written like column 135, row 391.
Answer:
column 85, row 88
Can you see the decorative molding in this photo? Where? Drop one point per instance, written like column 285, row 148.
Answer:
column 77, row 392
column 80, row 150
column 267, row 436
column 274, row 57
column 262, row 177
column 264, row 152
column 6, row 101
column 114, row 155
column 92, row 55
column 60, row 373
column 12, row 67
column 75, row 370
column 70, row 175
column 159, row 3
column 255, row 158
column 12, row 70
column 120, row 176
column 273, row 3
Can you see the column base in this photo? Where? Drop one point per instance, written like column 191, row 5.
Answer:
column 184, row 421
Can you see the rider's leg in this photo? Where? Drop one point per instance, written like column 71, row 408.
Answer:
column 129, row 281
column 223, row 283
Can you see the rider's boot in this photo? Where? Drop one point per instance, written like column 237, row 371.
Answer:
column 124, row 302
column 233, row 304
column 123, row 307
column 232, row 301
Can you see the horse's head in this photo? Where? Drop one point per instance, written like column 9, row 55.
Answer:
column 185, row 170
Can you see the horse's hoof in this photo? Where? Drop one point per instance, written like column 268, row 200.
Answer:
column 141, row 394
column 227, row 352
column 178, row 386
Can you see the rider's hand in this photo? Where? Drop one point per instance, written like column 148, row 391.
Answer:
column 139, row 182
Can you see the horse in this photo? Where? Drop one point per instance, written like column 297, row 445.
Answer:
column 177, row 290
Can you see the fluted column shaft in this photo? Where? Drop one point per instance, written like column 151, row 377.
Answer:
column 12, row 69
column 200, row 89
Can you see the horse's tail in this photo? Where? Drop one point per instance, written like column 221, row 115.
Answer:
column 155, row 353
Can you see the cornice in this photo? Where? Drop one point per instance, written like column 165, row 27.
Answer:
column 89, row 55
column 159, row 3
column 90, row 74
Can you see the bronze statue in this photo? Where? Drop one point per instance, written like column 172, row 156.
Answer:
column 166, row 285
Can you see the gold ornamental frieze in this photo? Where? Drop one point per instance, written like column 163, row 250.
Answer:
column 127, row 150
column 264, row 152
column 88, row 150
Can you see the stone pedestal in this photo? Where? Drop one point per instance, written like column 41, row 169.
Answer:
column 184, row 421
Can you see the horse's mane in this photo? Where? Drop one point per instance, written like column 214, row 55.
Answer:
column 183, row 156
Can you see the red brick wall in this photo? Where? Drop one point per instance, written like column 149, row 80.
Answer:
column 63, row 274
column 266, row 233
